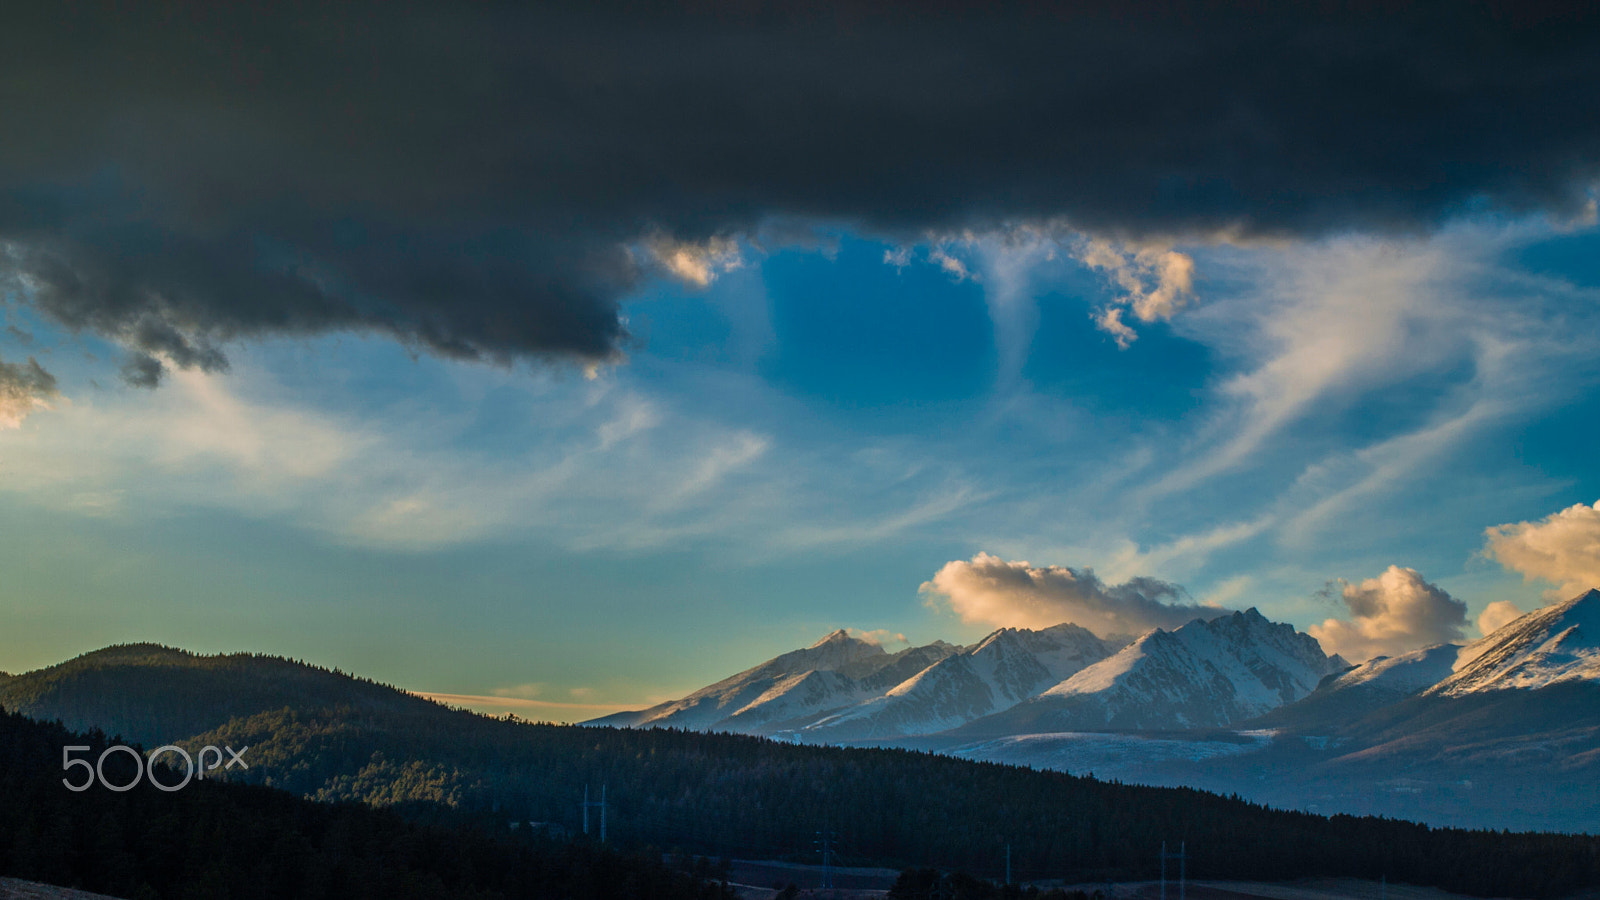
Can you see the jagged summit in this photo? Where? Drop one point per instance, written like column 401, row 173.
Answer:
column 1203, row 674
column 1065, row 631
column 1209, row 672
column 1005, row 668
column 831, row 652
column 835, row 672
column 1559, row 643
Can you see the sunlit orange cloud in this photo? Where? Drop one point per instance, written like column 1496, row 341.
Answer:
column 543, row 710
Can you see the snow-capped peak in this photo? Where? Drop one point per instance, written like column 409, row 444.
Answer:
column 1202, row 674
column 1404, row 673
column 1006, row 667
column 1559, row 643
column 839, row 637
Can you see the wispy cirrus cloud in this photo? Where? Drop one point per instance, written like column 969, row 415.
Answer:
column 598, row 466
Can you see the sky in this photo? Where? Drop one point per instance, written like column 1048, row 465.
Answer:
column 562, row 361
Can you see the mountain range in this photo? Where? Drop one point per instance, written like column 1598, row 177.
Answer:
column 1500, row 732
column 1208, row 673
column 325, row 735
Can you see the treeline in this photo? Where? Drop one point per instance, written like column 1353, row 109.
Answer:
column 155, row 695
column 728, row 795
column 753, row 798
column 217, row 841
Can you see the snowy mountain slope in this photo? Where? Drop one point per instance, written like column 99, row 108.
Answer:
column 1376, row 683
column 882, row 673
column 792, row 690
column 799, row 700
column 767, row 684
column 1005, row 668
column 1556, row 644
column 1204, row 674
column 1019, row 681
column 1403, row 674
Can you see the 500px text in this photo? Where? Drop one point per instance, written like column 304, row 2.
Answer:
column 97, row 771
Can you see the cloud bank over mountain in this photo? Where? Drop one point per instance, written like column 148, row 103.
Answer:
column 1017, row 594
column 1394, row 613
column 1497, row 615
column 1563, row 549
column 488, row 182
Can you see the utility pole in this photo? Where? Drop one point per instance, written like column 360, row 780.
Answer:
column 1008, row 863
column 1183, row 859
column 600, row 803
column 824, row 838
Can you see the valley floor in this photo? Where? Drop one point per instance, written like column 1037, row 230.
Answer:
column 1309, row 889
column 750, row 878
column 14, row 889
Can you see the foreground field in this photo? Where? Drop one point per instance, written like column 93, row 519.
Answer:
column 870, row 884
column 13, row 889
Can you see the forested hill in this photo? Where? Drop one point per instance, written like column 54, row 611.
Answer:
column 154, row 694
column 750, row 797
column 221, row 841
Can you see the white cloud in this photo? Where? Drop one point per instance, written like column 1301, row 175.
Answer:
column 952, row 266
column 1562, row 548
column 1110, row 321
column 991, row 591
column 883, row 637
column 1497, row 615
column 1396, row 612
column 694, row 263
column 1156, row 283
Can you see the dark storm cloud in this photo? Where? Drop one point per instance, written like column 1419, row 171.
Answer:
column 467, row 178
